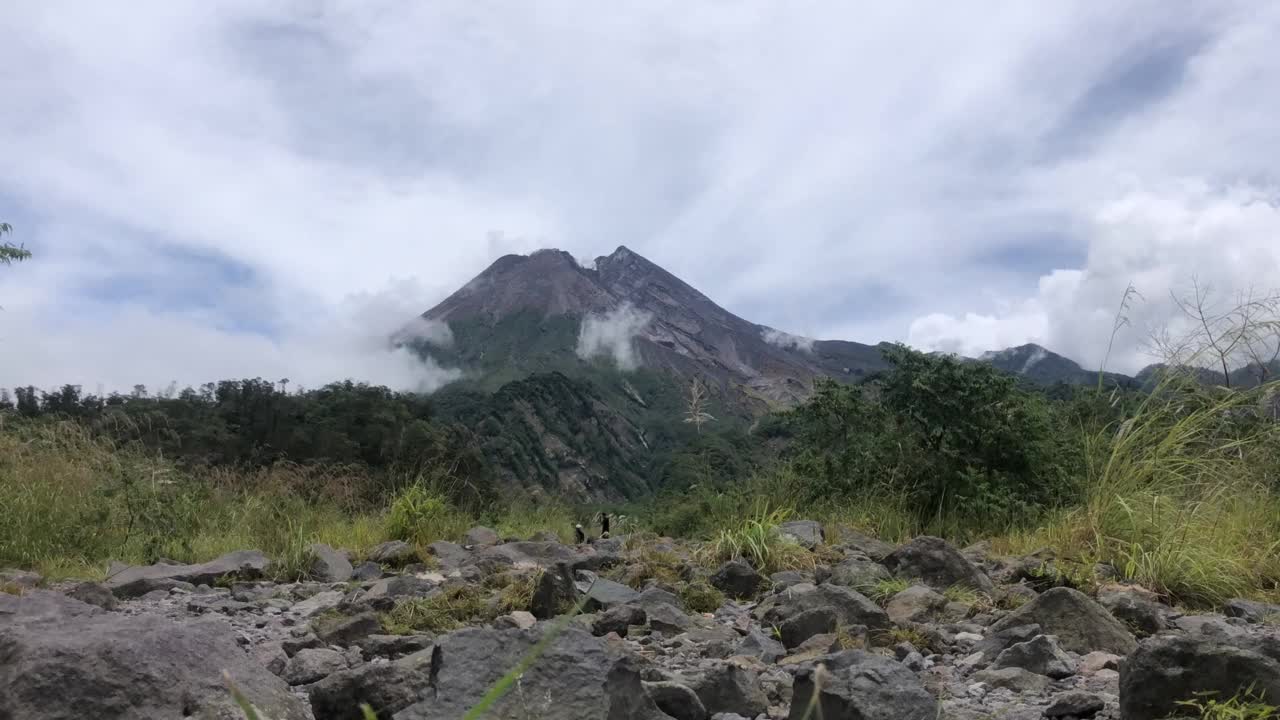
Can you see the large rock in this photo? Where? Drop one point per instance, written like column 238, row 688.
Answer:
column 676, row 700
column 555, row 594
column 395, row 553
column 873, row 548
column 386, row 687
column 574, row 677
column 1040, row 655
column 1252, row 611
column 1168, row 668
column 818, row 621
column 758, row 645
column 730, row 686
column 939, row 565
column 529, row 555
column 481, row 537
column 346, row 631
column 602, row 594
column 1136, row 608
column 328, row 565
column 859, row 574
column 914, row 605
column 1015, row 679
column 62, row 659
column 618, row 619
column 138, row 580
column 94, row 594
column 806, row 533
column 1081, row 625
column 851, row 607
column 737, row 579
column 857, row 684
column 312, row 664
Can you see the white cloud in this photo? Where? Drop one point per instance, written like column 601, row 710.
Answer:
column 787, row 340
column 899, row 172
column 1158, row 240
column 612, row 335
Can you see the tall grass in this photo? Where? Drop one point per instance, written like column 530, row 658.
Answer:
column 1173, row 499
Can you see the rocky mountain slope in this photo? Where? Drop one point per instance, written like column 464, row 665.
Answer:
column 545, row 311
column 621, row 628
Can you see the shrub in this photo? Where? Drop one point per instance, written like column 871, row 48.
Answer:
column 701, row 597
column 449, row 609
column 757, row 540
column 419, row 515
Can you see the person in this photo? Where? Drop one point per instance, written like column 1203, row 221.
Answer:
column 604, row 526
column 578, row 535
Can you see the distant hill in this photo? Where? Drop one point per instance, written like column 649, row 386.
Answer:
column 1045, row 367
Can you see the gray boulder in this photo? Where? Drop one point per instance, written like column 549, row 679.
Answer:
column 1168, row 668
column 938, row 564
column 851, row 607
column 394, row 553
column 1015, row 679
column 914, row 605
column 992, row 645
column 1080, row 624
column 346, row 631
column 62, row 659
column 668, row 619
column 138, row 580
column 807, row 533
column 450, row 556
column 481, row 537
column 327, row 565
column 601, row 593
column 393, row 646
column 676, row 700
column 1251, row 610
column 858, row 574
column 1136, row 608
column 737, row 579
column 387, row 687
column 763, row 647
column 857, row 684
column 555, row 594
column 818, row 621
column 1040, row 655
column 366, row 571
column 20, row 579
column 95, row 594
column 618, row 619
column 1075, row 704
column 312, row 664
column 527, row 555
column 575, row 677
column 873, row 548
column 730, row 686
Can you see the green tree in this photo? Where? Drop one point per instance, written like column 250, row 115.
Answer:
column 10, row 253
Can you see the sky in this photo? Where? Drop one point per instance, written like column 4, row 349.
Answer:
column 233, row 188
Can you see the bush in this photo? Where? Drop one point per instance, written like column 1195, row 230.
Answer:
column 422, row 516
column 701, row 598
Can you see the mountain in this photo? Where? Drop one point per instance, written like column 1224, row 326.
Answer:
column 544, row 311
column 577, row 379
column 1042, row 366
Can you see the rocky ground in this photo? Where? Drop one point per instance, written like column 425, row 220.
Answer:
column 965, row 636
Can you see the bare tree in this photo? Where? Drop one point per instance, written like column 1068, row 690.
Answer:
column 695, row 406
column 1244, row 332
